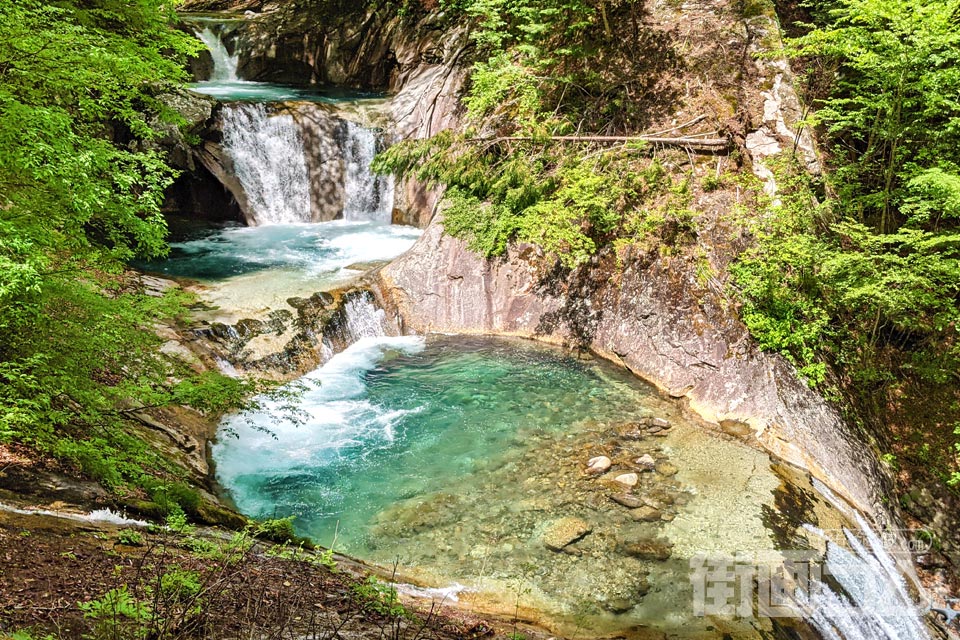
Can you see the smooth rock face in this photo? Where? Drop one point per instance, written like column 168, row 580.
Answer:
column 560, row 533
column 656, row 320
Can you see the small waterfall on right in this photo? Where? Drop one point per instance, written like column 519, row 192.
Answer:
column 367, row 196
column 872, row 602
column 268, row 159
column 224, row 64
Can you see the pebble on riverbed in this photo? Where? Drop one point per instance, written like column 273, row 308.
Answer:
column 560, row 533
column 599, row 464
column 646, row 462
column 628, row 480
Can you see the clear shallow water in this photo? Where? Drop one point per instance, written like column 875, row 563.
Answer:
column 313, row 250
column 457, row 454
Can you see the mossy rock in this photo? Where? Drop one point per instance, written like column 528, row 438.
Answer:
column 211, row 513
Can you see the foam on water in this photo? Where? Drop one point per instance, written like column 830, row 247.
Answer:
column 338, row 420
column 97, row 515
column 321, row 250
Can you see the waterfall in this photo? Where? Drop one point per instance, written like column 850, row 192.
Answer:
column 363, row 319
column 875, row 603
column 268, row 160
column 224, row 64
column 367, row 196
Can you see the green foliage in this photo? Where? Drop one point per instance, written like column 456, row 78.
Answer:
column 550, row 68
column 297, row 553
column 130, row 537
column 117, row 614
column 80, row 194
column 278, row 529
column 875, row 270
column 181, row 585
column 777, row 277
column 380, row 598
column 892, row 115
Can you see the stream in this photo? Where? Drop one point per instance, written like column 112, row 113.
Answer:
column 462, row 461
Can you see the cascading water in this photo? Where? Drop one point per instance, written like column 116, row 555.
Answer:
column 268, row 160
column 364, row 319
column 367, row 196
column 224, row 64
column 875, row 603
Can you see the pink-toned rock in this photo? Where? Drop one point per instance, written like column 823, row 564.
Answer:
column 598, row 465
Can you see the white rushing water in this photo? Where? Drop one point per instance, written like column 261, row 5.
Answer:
column 364, row 319
column 268, row 160
column 876, row 604
column 224, row 64
column 367, row 196
column 336, row 417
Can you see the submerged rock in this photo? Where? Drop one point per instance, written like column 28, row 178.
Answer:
column 646, row 462
column 559, row 533
column 628, row 480
column 646, row 548
column 598, row 464
column 646, row 513
column 665, row 468
column 627, row 500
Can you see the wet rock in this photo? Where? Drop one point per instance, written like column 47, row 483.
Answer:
column 559, row 533
column 249, row 327
column 627, row 500
column 599, row 464
column 646, row 462
column 628, row 480
column 665, row 468
column 631, row 431
column 646, row 548
column 646, row 513
column 619, row 605
column 654, row 502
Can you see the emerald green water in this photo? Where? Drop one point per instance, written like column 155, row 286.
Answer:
column 455, row 456
column 397, row 418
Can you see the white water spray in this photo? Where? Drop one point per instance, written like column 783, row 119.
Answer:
column 367, row 196
column 268, row 160
column 364, row 320
column 876, row 604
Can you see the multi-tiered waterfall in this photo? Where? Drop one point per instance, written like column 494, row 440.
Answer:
column 287, row 156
